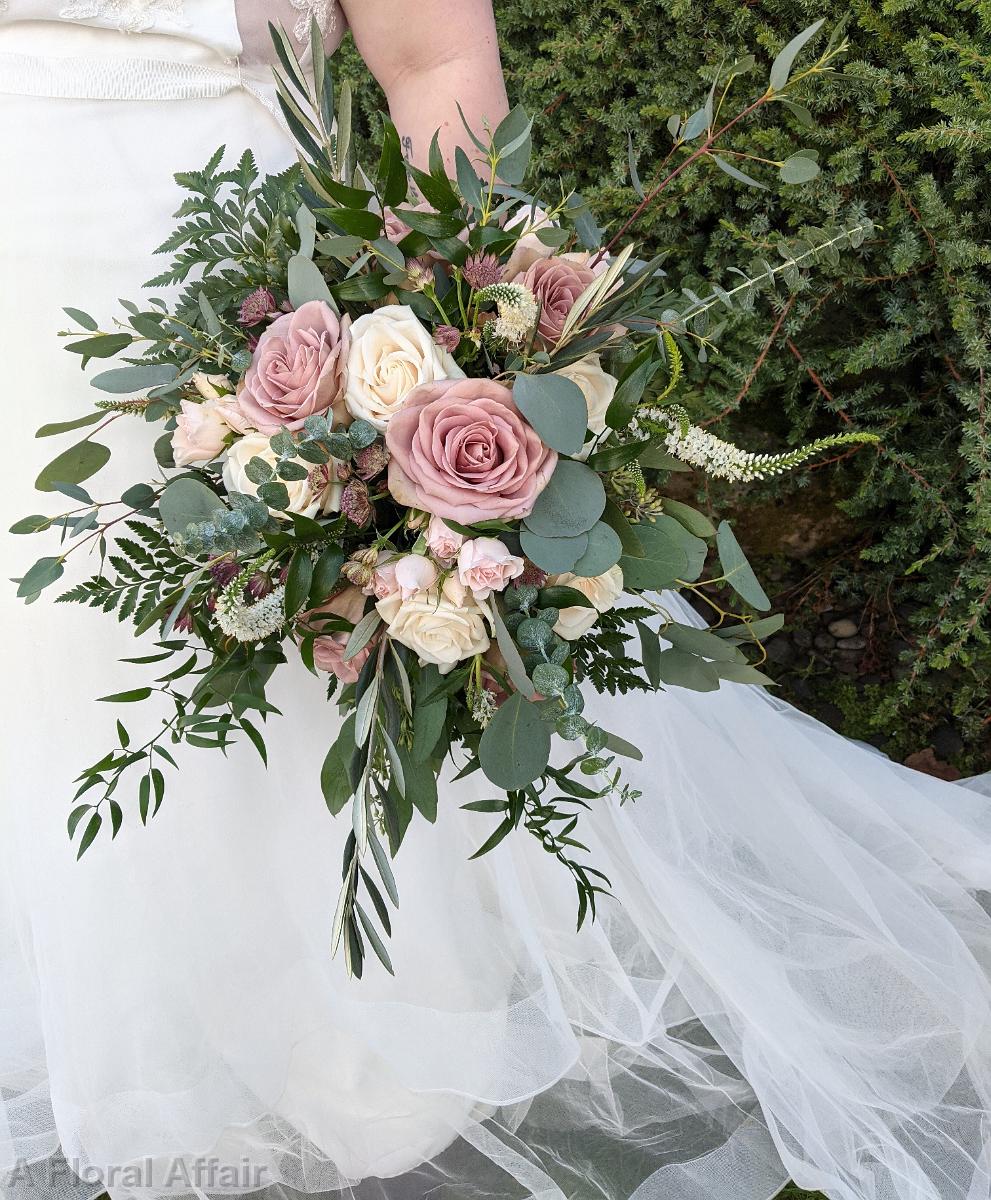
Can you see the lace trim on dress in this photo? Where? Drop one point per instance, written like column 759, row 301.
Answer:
column 130, row 16
column 323, row 11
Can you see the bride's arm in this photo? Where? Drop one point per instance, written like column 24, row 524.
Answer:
column 429, row 56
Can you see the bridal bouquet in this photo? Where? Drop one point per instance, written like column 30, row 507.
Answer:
column 415, row 435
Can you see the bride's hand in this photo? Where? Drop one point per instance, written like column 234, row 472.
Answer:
column 429, row 56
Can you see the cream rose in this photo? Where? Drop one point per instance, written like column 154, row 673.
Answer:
column 318, row 493
column 199, row 434
column 443, row 626
column 391, row 353
column 602, row 590
column 598, row 387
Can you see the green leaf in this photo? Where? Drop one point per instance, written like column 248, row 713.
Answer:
column 326, row 573
column 131, row 697
column 392, row 181
column 680, row 669
column 305, row 282
column 621, row 746
column 739, row 574
column 186, row 500
column 33, row 524
column 737, row 174
column 570, row 504
column 736, row 672
column 123, row 380
column 429, row 717
column 74, row 465
column 650, row 653
column 616, row 519
column 604, row 551
column 799, row 168
column 68, row 426
column 629, row 392
column 781, row 67
column 514, row 662
column 612, row 458
column 433, row 225
column 468, row 182
column 298, row 582
column 512, row 140
column 753, row 631
column 81, row 318
column 421, row 785
column 554, row 555
column 563, row 597
column 516, row 745
column 92, row 829
column 699, row 641
column 334, row 779
column 44, row 572
column 555, row 407
column 670, row 554
column 359, row 222
column 362, row 634
column 694, row 521
column 106, row 345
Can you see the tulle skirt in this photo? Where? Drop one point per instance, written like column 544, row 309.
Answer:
column 792, row 979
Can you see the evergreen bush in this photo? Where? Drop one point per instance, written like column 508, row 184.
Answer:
column 893, row 338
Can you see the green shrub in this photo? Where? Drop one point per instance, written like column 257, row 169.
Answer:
column 894, row 338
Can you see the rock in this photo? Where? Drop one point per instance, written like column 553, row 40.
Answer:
column 780, row 651
column 802, row 639
column 824, row 642
column 947, row 741
column 846, row 665
column 927, row 762
column 843, row 628
column 852, row 643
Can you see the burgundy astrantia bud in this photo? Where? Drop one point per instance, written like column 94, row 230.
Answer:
column 259, row 586
column 355, row 504
column 372, row 460
column 184, row 622
column 211, row 602
column 532, row 576
column 283, row 575
column 482, row 270
column 224, row 570
column 447, row 337
column 256, row 307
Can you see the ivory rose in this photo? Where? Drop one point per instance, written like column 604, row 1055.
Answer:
column 443, row 542
column 442, row 626
column 199, row 434
column 391, row 353
column 598, row 388
column 485, row 566
column 297, row 369
column 460, row 449
column 557, row 283
column 318, row 493
column 328, row 648
column 602, row 590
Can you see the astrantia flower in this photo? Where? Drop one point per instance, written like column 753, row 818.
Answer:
column 372, row 460
column 250, row 622
column 447, row 337
column 256, row 307
column 355, row 504
column 482, row 270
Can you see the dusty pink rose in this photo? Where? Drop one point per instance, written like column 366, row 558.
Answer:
column 443, row 542
column 297, row 369
column 328, row 648
column 461, row 449
column 414, row 573
column 485, row 566
column 557, row 283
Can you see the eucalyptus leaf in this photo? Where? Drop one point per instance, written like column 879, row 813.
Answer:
column 186, row 501
column 604, row 551
column 515, row 747
column 738, row 572
column 781, row 67
column 554, row 555
column 555, row 407
column 68, row 426
column 74, row 465
column 570, row 504
column 307, row 283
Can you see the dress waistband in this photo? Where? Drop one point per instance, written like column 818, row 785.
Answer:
column 113, row 78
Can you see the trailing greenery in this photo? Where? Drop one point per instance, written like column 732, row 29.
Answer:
column 895, row 337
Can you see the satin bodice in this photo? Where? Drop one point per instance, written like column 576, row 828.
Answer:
column 230, row 28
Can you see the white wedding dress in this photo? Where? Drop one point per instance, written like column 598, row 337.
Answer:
column 792, row 981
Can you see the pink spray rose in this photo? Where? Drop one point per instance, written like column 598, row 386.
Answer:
column 328, row 648
column 486, row 566
column 383, row 581
column 443, row 542
column 557, row 283
column 298, row 369
column 461, row 449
